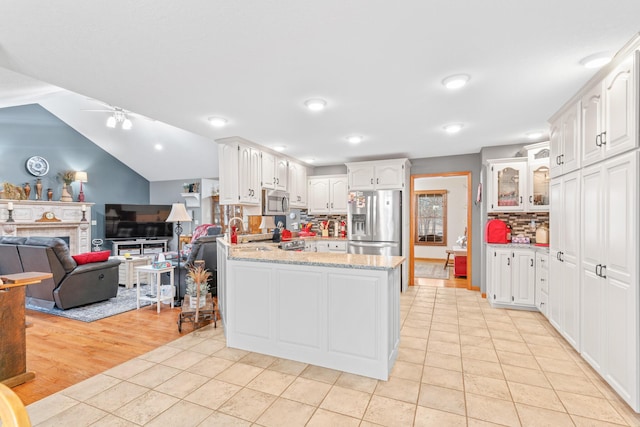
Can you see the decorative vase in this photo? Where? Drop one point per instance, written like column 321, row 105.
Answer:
column 66, row 197
column 38, row 189
column 194, row 302
column 27, row 189
column 49, row 194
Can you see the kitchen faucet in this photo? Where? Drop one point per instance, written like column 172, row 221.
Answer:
column 241, row 228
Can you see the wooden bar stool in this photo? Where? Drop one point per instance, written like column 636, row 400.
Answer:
column 448, row 261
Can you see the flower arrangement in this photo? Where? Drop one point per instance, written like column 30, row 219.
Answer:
column 67, row 176
column 198, row 276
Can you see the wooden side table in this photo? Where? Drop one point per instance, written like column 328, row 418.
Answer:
column 155, row 274
column 126, row 269
column 13, row 342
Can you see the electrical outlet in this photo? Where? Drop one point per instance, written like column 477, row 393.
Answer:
column 94, row 222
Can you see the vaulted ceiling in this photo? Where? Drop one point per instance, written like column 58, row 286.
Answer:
column 378, row 64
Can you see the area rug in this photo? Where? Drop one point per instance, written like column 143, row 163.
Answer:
column 430, row 270
column 124, row 301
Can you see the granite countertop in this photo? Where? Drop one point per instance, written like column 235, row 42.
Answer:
column 520, row 245
column 269, row 252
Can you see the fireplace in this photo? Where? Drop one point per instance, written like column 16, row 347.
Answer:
column 30, row 221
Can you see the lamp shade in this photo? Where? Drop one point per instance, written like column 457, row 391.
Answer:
column 81, row 176
column 178, row 213
column 267, row 222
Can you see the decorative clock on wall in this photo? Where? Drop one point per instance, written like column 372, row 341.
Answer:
column 37, row 166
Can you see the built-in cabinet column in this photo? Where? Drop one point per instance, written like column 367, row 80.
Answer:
column 564, row 232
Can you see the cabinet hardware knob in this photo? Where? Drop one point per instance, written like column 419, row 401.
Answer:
column 372, row 180
column 531, row 262
column 599, row 138
column 377, row 180
column 530, row 199
column 520, row 199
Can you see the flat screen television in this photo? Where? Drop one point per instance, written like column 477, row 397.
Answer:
column 124, row 222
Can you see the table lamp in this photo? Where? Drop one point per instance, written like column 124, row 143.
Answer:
column 82, row 177
column 266, row 223
column 178, row 214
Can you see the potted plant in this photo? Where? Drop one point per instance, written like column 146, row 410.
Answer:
column 67, row 177
column 197, row 285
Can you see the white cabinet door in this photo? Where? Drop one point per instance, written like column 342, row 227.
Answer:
column 297, row 183
column 322, row 246
column 228, row 167
column 620, row 112
column 564, row 142
column 361, row 176
column 281, row 173
column 523, row 277
column 339, row 196
column 268, row 170
column 389, row 176
column 500, row 264
column 507, row 185
column 318, row 195
column 249, row 178
column 542, row 280
column 591, row 122
column 538, row 186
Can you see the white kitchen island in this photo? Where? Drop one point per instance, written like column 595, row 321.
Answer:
column 340, row 311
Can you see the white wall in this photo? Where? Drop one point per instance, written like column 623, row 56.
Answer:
column 456, row 187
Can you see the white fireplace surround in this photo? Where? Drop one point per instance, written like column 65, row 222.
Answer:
column 27, row 212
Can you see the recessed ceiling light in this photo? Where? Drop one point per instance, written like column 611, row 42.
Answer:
column 310, row 160
column 218, row 122
column 158, row 147
column 596, row 60
column 456, row 82
column 279, row 148
column 355, row 139
column 315, row 104
column 453, row 127
column 534, row 134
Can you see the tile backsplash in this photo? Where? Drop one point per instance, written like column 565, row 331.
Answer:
column 520, row 222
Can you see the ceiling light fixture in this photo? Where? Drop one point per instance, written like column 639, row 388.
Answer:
column 355, row 139
column 158, row 147
column 119, row 117
column 315, row 104
column 596, row 60
column 218, row 122
column 453, row 128
column 456, row 82
column 534, row 134
column 279, row 148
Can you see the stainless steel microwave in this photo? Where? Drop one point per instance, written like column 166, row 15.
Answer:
column 275, row 202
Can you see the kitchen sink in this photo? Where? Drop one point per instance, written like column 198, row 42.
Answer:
column 252, row 249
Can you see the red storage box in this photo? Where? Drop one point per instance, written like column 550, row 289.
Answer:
column 496, row 231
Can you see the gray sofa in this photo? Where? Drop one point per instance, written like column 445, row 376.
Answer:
column 72, row 285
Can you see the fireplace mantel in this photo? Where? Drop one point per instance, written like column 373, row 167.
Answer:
column 26, row 214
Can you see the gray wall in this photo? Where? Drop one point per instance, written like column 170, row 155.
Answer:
column 462, row 163
column 30, row 130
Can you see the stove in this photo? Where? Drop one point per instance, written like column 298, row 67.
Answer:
column 292, row 245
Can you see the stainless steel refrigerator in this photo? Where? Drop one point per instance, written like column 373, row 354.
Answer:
column 374, row 222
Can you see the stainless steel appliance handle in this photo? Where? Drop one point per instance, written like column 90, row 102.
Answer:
column 374, row 215
column 285, row 204
column 373, row 244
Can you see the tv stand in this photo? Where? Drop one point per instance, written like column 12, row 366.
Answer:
column 138, row 247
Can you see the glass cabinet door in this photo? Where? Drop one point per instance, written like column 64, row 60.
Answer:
column 508, row 185
column 539, row 188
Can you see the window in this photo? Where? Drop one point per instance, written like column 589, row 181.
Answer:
column 431, row 218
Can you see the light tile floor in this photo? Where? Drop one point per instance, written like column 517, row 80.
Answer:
column 461, row 363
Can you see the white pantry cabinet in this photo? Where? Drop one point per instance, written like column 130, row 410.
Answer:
column 327, row 194
column 511, row 280
column 564, row 245
column 377, row 175
column 609, row 276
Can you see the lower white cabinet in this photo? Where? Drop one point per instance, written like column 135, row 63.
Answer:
column 511, row 277
column 337, row 246
column 542, row 282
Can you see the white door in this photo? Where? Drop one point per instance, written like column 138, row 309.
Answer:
column 555, row 146
column 591, row 134
column 556, row 240
column 570, row 159
column 501, row 276
column 570, row 258
column 228, row 166
column 268, row 170
column 389, row 176
column 282, row 173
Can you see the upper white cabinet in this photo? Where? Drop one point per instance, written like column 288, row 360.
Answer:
column 608, row 114
column 507, row 185
column 511, row 281
column 275, row 171
column 297, row 183
column 538, row 177
column 327, row 194
column 239, row 173
column 564, row 141
column 378, row 175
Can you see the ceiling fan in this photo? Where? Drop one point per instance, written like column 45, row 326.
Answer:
column 118, row 116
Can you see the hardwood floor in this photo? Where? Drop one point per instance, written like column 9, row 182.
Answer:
column 63, row 352
column 451, row 282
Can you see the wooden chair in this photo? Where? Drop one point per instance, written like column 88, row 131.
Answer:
column 12, row 410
